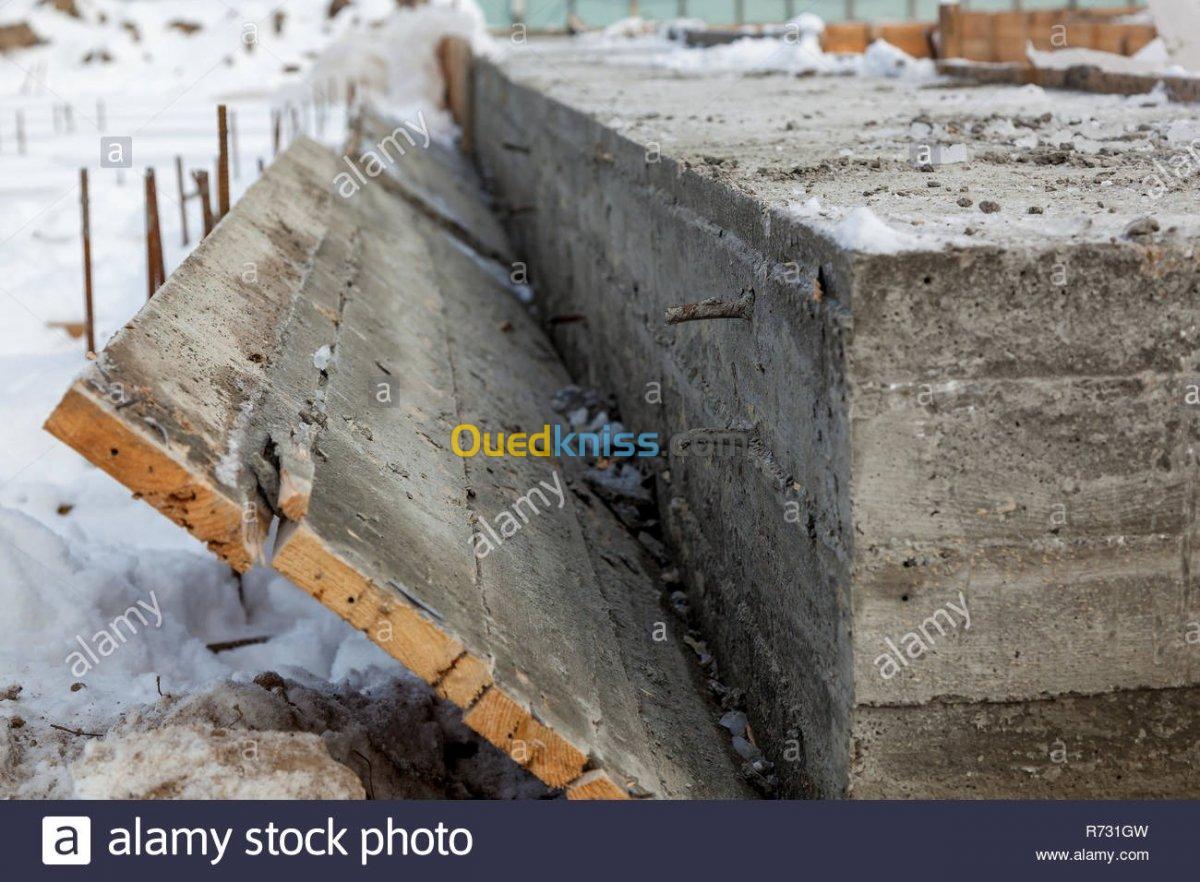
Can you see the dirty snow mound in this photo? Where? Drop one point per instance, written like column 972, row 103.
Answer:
column 193, row 762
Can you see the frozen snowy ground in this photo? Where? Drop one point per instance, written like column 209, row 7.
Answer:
column 76, row 552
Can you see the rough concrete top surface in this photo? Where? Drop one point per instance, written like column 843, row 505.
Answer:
column 1063, row 167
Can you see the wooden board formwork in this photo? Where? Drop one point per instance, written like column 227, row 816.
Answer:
column 248, row 392
column 1004, row 36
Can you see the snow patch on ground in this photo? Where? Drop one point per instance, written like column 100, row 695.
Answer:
column 792, row 48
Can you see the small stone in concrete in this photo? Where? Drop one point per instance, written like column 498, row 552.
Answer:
column 735, row 722
column 1143, row 226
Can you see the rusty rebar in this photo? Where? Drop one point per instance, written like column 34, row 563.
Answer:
column 89, row 316
column 712, row 308
column 222, row 161
column 183, row 198
column 201, row 179
column 155, row 270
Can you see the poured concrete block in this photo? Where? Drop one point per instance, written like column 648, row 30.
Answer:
column 965, row 527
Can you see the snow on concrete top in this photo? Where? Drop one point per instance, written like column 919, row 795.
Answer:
column 896, row 163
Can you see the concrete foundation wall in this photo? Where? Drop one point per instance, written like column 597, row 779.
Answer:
column 619, row 240
column 925, row 426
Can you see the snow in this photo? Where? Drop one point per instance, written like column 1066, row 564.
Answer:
column 1152, row 60
column 863, row 230
column 77, row 553
column 882, row 59
column 193, row 762
column 1179, row 27
column 793, row 47
column 796, row 52
column 858, row 229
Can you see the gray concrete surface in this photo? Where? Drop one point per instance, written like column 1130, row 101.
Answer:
column 370, row 332
column 948, row 405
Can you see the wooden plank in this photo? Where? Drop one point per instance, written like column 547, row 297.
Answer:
column 1137, row 36
column 1044, row 26
column 912, row 37
column 950, row 34
column 850, row 37
column 1108, row 37
column 1002, row 37
column 978, row 39
column 243, row 380
column 596, row 785
column 1010, row 36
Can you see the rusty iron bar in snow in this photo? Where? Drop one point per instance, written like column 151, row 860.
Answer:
column 222, row 161
column 155, row 270
column 233, row 146
column 183, row 198
column 712, row 308
column 201, row 179
column 89, row 317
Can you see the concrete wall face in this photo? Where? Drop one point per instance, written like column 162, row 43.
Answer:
column 764, row 525
column 962, row 461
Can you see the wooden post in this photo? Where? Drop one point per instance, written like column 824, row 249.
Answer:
column 155, row 271
column 294, row 115
column 21, row 132
column 89, row 316
column 261, row 166
column 275, row 116
column 201, row 179
column 233, row 145
column 222, row 162
column 950, row 29
column 182, row 198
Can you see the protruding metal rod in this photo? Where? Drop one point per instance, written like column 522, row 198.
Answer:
column 222, row 161
column 201, row 179
column 155, row 271
column 89, row 316
column 183, row 197
column 712, row 308
column 233, row 146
